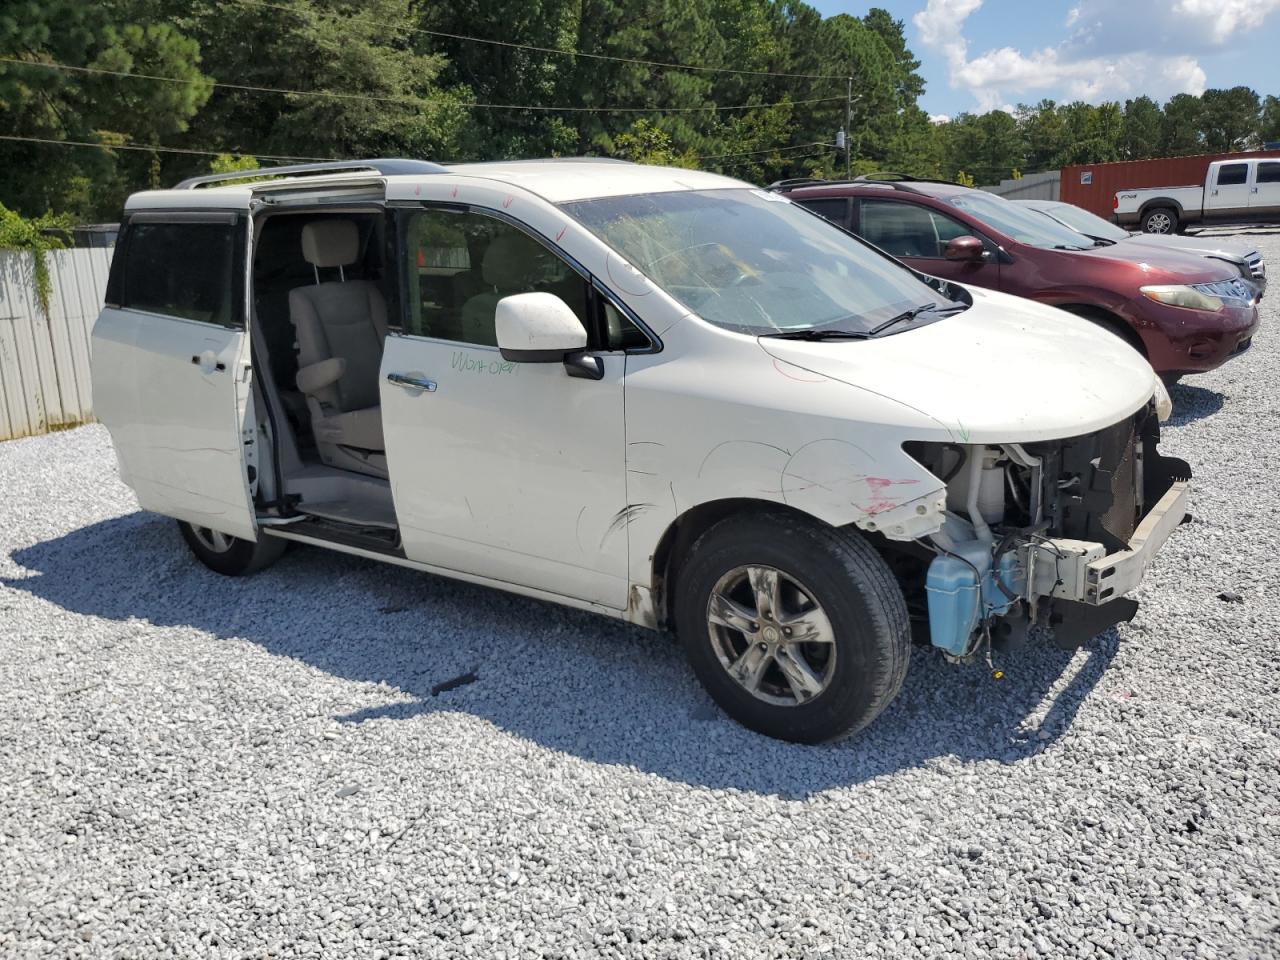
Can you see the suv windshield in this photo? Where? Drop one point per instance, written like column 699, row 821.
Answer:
column 756, row 263
column 1090, row 224
column 1023, row 225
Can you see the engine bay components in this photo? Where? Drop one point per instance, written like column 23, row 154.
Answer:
column 1047, row 534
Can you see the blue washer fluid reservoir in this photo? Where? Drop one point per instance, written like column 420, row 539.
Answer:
column 954, row 591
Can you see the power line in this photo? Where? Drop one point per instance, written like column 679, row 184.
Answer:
column 408, row 101
column 147, row 148
column 747, row 153
column 573, row 53
column 150, row 149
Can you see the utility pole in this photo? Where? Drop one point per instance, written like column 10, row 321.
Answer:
column 848, row 131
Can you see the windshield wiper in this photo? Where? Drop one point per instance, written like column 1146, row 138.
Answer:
column 818, row 335
column 912, row 314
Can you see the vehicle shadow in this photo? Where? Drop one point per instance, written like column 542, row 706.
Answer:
column 572, row 681
column 1191, row 403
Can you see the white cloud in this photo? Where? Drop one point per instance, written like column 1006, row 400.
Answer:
column 940, row 25
column 1107, row 54
column 1225, row 17
column 939, row 118
column 993, row 75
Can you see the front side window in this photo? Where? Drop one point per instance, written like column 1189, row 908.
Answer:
column 461, row 263
column 907, row 230
column 1233, row 174
column 181, row 269
column 1019, row 223
column 754, row 262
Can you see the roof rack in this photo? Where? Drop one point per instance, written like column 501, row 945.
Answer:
column 387, row 168
column 793, row 182
column 891, row 178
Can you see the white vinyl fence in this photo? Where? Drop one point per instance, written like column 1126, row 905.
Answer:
column 44, row 360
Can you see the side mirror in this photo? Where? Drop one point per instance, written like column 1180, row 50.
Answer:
column 537, row 328
column 965, row 248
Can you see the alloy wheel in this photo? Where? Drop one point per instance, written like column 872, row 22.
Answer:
column 771, row 635
column 213, row 540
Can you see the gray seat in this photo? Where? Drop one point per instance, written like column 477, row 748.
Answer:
column 508, row 267
column 341, row 327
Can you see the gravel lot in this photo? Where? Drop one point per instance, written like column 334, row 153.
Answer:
column 195, row 766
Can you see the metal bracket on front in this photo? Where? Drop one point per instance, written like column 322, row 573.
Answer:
column 1115, row 575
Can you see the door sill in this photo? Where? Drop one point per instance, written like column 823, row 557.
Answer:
column 376, row 540
column 367, row 513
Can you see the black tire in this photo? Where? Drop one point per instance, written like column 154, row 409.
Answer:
column 1161, row 220
column 239, row 558
column 851, row 585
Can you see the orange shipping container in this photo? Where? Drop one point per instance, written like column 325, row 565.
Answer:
column 1094, row 185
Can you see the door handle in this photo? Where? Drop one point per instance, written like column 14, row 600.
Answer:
column 413, row 381
column 208, row 361
column 1254, row 190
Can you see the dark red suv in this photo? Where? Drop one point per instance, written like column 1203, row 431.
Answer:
column 1185, row 313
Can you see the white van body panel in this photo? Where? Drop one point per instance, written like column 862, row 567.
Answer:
column 519, row 475
column 176, row 398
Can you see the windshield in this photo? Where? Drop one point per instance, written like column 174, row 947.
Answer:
column 1090, row 224
column 1023, row 225
column 754, row 262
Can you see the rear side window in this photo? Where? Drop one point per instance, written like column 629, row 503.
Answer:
column 1269, row 173
column 1233, row 173
column 181, row 269
column 837, row 210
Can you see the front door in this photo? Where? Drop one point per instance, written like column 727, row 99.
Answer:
column 170, row 367
column 509, row 471
column 919, row 236
column 1229, row 191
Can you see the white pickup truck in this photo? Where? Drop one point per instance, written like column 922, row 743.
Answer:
column 1234, row 191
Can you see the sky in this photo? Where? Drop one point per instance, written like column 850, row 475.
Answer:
column 979, row 55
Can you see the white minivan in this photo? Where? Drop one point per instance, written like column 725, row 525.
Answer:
column 658, row 394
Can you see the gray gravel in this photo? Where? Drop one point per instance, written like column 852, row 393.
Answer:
column 194, row 766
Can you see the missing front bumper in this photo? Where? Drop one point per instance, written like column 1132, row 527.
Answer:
column 1118, row 573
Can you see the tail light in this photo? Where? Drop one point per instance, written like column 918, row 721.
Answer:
column 1115, row 201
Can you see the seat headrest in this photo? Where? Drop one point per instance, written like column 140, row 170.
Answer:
column 508, row 261
column 330, row 243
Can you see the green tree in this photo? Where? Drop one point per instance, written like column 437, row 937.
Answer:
column 1269, row 120
column 61, row 105
column 1141, row 131
column 331, row 52
column 1229, row 119
column 1180, row 131
column 1042, row 132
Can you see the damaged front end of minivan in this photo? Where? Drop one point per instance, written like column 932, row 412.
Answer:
column 1051, row 535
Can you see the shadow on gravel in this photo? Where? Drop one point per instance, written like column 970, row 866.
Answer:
column 1192, row 403
column 571, row 681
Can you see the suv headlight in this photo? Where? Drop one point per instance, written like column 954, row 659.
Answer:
column 1182, row 295
column 1164, row 402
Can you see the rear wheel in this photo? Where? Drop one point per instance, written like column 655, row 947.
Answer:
column 797, row 630
column 228, row 555
column 1160, row 220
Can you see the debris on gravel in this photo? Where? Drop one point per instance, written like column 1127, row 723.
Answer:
column 199, row 766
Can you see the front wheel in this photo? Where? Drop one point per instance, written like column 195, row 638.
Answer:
column 228, row 555
column 1160, row 220
column 797, row 630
